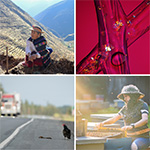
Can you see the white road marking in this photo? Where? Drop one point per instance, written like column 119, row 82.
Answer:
column 6, row 141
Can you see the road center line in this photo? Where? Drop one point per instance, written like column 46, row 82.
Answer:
column 6, row 141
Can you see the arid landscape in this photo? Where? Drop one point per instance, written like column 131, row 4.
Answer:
column 61, row 66
column 15, row 30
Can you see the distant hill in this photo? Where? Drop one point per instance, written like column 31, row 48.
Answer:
column 59, row 18
column 15, row 27
column 34, row 8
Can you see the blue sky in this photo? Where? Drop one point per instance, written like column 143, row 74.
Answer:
column 56, row 90
column 34, row 7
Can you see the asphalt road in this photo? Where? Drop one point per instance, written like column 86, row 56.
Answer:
column 8, row 125
column 28, row 137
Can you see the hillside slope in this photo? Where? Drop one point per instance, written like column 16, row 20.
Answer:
column 15, row 27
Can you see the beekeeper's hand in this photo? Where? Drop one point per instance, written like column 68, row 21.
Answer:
column 100, row 125
column 124, row 128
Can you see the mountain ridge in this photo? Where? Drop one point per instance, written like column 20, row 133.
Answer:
column 59, row 17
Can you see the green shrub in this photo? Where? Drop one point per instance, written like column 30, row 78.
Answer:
column 149, row 118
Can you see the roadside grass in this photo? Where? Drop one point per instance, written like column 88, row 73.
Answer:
column 64, row 117
column 68, row 118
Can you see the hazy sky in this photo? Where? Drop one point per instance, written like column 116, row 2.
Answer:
column 56, row 90
column 34, row 7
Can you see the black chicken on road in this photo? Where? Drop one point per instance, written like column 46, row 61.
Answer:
column 66, row 132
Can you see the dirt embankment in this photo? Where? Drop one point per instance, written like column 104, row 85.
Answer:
column 63, row 66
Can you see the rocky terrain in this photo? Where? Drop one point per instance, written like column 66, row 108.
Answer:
column 15, row 27
column 63, row 66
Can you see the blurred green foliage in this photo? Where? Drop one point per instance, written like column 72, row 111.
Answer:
column 109, row 86
column 1, row 88
column 48, row 110
column 109, row 110
column 149, row 118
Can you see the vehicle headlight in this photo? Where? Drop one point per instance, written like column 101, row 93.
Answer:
column 14, row 107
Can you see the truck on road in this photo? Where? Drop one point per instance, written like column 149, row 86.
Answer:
column 10, row 104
